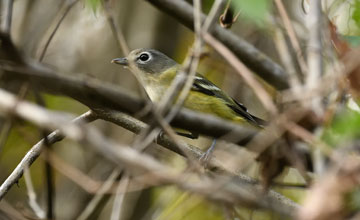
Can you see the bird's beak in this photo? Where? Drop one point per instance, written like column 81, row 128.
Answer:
column 122, row 61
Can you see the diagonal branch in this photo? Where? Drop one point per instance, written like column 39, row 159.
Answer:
column 258, row 62
column 98, row 95
column 35, row 152
column 219, row 188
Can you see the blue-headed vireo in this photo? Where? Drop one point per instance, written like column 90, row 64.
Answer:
column 155, row 71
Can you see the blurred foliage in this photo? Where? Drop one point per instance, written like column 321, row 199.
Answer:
column 62, row 103
column 353, row 200
column 345, row 14
column 93, row 4
column 344, row 127
column 206, row 5
column 356, row 13
column 177, row 205
column 180, row 205
column 21, row 139
column 254, row 10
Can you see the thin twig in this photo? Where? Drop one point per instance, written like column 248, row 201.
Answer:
column 123, row 155
column 213, row 15
column 292, row 35
column 32, row 195
column 118, row 34
column 49, row 182
column 34, row 153
column 99, row 195
column 119, row 198
column 314, row 56
column 258, row 62
column 74, row 174
column 258, row 89
column 67, row 10
column 135, row 126
column 288, row 63
column 8, row 124
column 6, row 16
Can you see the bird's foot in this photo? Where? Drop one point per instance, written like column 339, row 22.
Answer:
column 205, row 157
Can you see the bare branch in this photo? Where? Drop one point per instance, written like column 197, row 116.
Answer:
column 258, row 62
column 136, row 126
column 315, row 64
column 99, row 195
column 67, row 10
column 221, row 188
column 6, row 15
column 34, row 153
column 118, row 34
column 120, row 194
column 99, row 95
column 32, row 195
column 241, row 69
column 292, row 35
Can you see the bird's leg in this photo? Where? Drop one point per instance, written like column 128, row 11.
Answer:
column 204, row 159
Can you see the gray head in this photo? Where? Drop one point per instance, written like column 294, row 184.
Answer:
column 148, row 61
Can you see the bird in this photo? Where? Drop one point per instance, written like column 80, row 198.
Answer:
column 155, row 71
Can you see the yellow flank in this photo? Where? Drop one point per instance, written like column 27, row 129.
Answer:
column 196, row 101
column 211, row 105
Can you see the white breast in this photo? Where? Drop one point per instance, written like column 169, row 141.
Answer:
column 155, row 93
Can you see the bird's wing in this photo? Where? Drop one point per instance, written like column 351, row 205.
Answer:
column 201, row 84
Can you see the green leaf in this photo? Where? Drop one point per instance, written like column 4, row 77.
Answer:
column 344, row 128
column 254, row 10
column 352, row 200
column 356, row 13
column 93, row 4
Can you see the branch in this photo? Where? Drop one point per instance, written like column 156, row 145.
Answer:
column 34, row 153
column 258, row 62
column 136, row 126
column 99, row 95
column 220, row 188
column 67, row 10
column 6, row 7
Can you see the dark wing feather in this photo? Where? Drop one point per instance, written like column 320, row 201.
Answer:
column 201, row 84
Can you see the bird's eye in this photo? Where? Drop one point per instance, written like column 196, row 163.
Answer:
column 144, row 57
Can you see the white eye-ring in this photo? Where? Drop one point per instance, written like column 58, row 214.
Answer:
column 144, row 57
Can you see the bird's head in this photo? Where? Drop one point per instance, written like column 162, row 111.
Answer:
column 146, row 62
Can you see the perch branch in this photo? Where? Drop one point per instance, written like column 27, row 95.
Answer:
column 98, row 95
column 226, row 189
